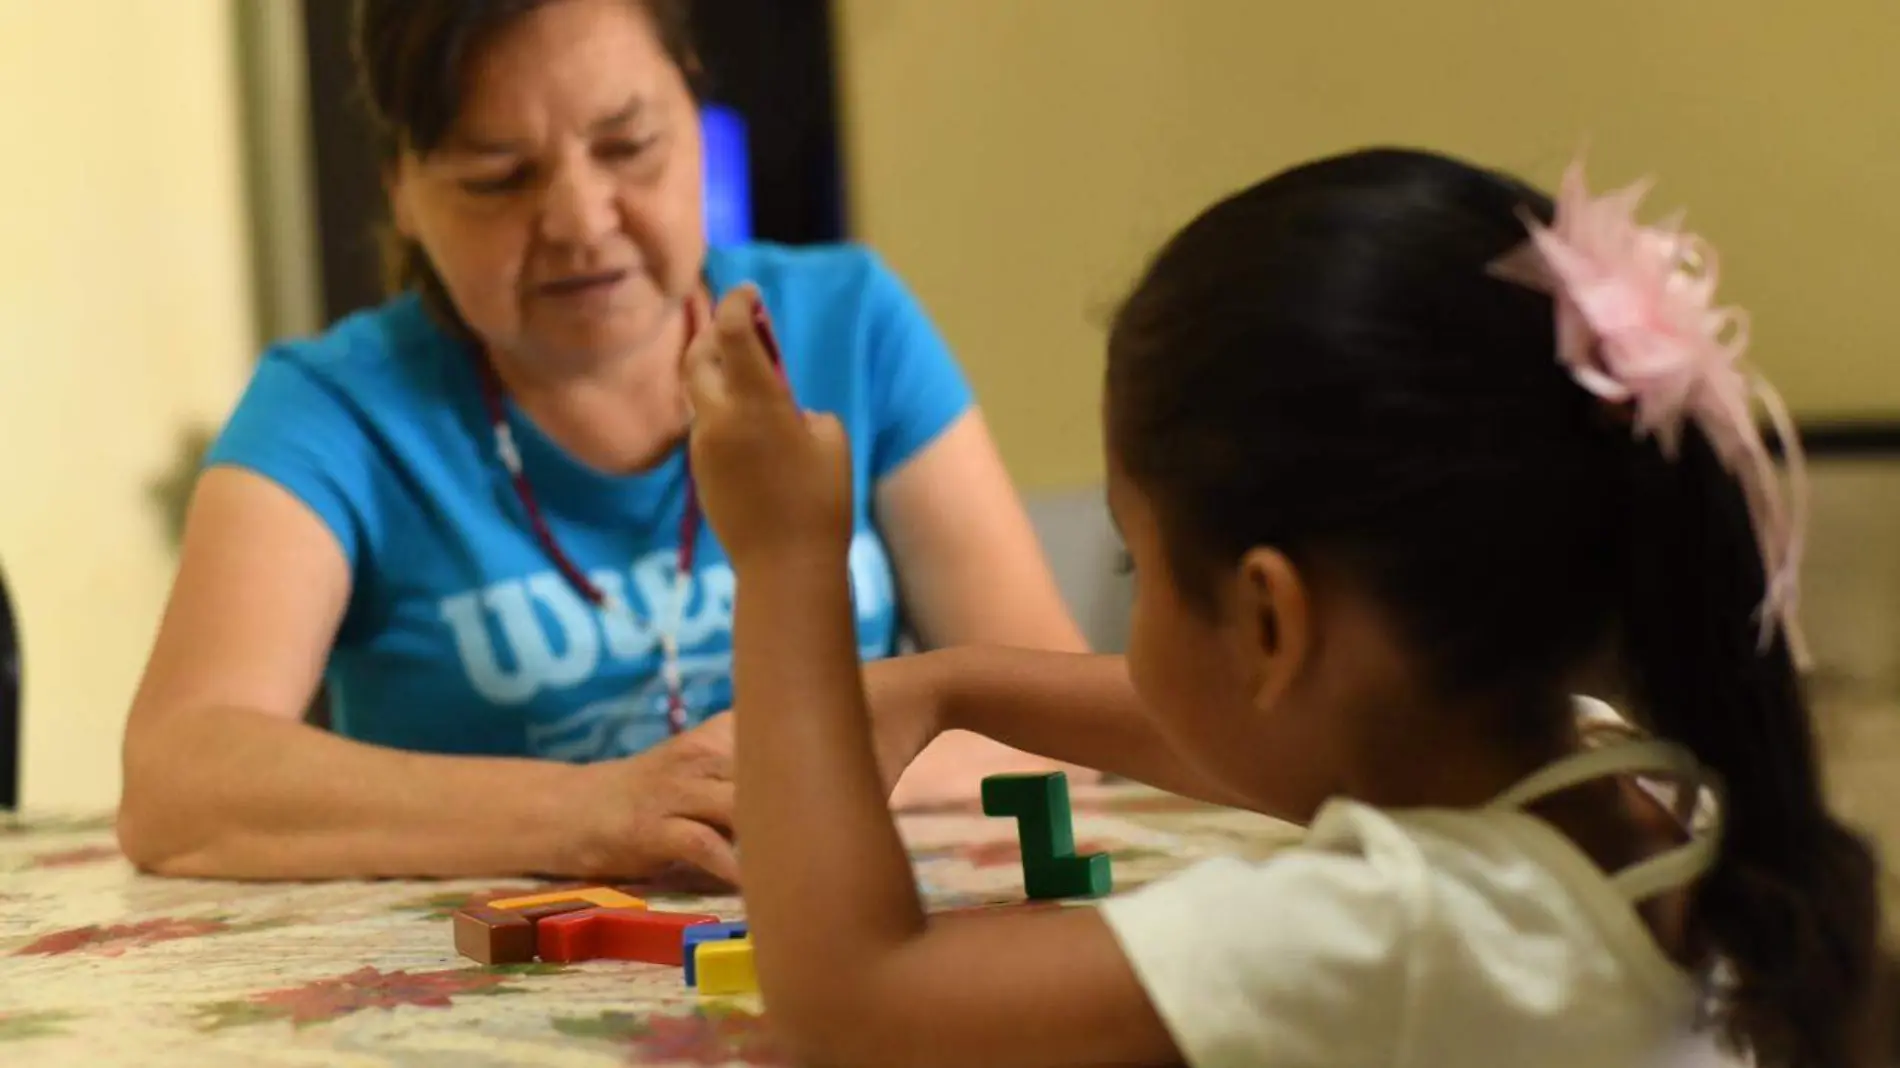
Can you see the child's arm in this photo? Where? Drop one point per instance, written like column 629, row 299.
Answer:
column 850, row 970
column 1077, row 708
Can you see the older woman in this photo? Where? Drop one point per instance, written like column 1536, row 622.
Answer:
column 469, row 512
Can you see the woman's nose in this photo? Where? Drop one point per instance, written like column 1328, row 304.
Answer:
column 578, row 207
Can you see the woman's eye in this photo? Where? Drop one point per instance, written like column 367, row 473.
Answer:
column 1124, row 562
column 510, row 182
column 627, row 148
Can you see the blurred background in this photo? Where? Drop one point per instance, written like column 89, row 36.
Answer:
column 185, row 180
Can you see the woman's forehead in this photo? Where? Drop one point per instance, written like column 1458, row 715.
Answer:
column 576, row 63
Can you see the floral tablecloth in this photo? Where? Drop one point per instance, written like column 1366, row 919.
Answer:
column 101, row 966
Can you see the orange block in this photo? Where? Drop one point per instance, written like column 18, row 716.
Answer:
column 601, row 897
column 617, row 934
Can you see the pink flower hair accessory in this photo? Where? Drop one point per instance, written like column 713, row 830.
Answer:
column 1637, row 325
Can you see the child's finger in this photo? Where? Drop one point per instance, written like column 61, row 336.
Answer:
column 824, row 426
column 746, row 362
column 700, row 364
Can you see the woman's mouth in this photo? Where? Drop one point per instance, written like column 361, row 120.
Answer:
column 578, row 285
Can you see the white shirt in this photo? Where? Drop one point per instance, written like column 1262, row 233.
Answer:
column 1425, row 939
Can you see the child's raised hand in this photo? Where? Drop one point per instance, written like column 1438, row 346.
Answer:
column 774, row 482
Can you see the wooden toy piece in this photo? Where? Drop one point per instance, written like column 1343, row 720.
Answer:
column 726, row 967
column 1039, row 802
column 1045, row 827
column 1071, row 876
column 603, row 897
column 617, row 934
column 503, row 936
column 694, row 937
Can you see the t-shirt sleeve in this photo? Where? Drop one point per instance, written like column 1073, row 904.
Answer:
column 917, row 390
column 296, row 429
column 1296, row 963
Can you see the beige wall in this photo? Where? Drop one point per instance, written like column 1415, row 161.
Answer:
column 124, row 315
column 1015, row 159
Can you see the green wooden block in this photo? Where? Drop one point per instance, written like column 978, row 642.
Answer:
column 1045, row 827
column 1039, row 801
column 1059, row 877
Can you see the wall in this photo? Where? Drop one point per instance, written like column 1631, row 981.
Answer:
column 124, row 317
column 1015, row 159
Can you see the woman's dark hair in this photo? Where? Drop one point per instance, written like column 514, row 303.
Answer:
column 412, row 58
column 1323, row 363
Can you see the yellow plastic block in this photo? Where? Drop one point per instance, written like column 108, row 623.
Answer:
column 604, row 897
column 726, row 967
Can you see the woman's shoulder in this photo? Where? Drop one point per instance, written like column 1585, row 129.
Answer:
column 373, row 374
column 368, row 347
column 834, row 263
column 835, row 281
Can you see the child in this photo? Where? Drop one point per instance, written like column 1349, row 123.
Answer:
column 1403, row 454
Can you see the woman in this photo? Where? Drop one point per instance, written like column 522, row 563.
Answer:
column 465, row 509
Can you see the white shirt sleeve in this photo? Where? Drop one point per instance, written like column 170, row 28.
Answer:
column 1299, row 961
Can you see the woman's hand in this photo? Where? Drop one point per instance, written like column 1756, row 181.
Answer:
column 774, row 482
column 667, row 809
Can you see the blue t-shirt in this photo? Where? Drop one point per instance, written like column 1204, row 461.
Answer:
column 460, row 635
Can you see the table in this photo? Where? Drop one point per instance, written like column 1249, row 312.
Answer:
column 102, row 966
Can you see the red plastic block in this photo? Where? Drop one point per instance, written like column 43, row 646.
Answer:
column 617, row 934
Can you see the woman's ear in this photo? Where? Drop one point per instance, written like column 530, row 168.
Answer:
column 396, row 188
column 1273, row 615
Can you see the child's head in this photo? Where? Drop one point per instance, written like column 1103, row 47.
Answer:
column 1354, row 475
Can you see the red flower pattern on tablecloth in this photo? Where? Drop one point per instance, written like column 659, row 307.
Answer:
column 704, row 1035
column 115, row 940
column 366, row 988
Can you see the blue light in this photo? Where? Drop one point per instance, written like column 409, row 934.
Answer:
column 728, row 175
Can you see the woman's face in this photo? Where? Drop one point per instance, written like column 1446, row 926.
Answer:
column 563, row 209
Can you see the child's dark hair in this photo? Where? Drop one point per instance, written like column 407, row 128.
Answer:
column 1323, row 363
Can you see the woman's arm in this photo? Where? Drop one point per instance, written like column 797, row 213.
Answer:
column 971, row 572
column 223, row 779
column 970, row 566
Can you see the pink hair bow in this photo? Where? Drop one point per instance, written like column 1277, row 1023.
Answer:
column 1637, row 325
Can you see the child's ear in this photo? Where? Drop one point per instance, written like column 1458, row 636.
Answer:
column 1273, row 612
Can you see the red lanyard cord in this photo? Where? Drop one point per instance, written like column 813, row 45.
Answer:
column 507, row 450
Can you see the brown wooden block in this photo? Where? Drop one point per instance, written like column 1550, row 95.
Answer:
column 504, row 936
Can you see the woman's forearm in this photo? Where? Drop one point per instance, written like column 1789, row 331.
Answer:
column 1076, row 708
column 232, row 793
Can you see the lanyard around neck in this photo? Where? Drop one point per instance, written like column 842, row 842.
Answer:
column 509, row 453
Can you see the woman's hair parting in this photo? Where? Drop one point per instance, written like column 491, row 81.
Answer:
column 1522, row 427
column 412, row 60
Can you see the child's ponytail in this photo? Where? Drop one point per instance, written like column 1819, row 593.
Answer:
column 1791, row 907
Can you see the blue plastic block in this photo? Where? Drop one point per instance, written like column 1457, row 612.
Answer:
column 706, row 932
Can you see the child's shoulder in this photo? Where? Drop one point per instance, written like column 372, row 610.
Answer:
column 1386, row 923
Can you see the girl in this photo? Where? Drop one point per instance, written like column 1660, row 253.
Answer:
column 1403, row 454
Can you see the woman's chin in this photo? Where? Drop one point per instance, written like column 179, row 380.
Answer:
column 585, row 344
